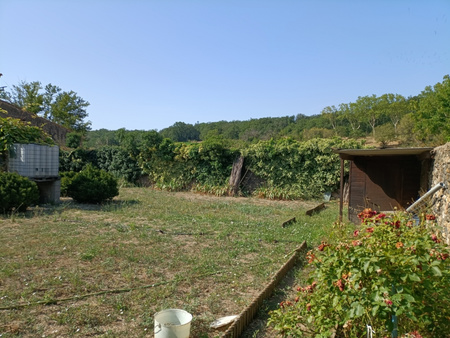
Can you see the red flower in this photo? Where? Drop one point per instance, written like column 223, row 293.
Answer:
column 382, row 215
column 356, row 233
column 366, row 213
column 430, row 217
column 308, row 306
column 356, row 243
column 323, row 246
column 388, row 302
column 369, row 229
column 310, row 256
column 435, row 239
column 341, row 285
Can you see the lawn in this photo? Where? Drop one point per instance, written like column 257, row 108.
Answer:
column 104, row 270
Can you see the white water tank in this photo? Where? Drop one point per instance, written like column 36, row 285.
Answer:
column 34, row 160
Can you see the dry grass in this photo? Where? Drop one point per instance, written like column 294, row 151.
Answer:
column 105, row 270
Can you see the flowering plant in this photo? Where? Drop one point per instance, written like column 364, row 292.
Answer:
column 391, row 271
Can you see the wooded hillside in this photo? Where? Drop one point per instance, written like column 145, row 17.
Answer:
column 423, row 119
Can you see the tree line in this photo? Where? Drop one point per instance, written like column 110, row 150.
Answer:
column 423, row 119
column 418, row 120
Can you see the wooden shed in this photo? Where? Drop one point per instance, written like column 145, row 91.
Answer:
column 384, row 179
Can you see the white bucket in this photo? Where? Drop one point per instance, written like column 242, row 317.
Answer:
column 172, row 323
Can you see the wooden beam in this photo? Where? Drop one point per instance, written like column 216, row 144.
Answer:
column 316, row 209
column 341, row 191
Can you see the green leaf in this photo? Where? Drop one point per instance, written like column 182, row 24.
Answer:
column 336, row 301
column 359, row 310
column 352, row 313
column 408, row 297
column 413, row 277
column 366, row 266
column 436, row 271
column 375, row 310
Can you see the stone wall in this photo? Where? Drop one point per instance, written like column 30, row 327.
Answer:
column 440, row 201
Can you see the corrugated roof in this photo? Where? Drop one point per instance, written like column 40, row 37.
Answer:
column 348, row 154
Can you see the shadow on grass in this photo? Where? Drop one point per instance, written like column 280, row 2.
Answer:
column 68, row 203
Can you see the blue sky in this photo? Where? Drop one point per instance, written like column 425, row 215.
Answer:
column 148, row 64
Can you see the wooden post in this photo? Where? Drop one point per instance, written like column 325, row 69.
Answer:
column 341, row 192
column 236, row 174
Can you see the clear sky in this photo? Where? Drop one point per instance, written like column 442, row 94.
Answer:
column 148, row 64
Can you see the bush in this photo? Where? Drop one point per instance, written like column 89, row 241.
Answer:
column 77, row 159
column 73, row 140
column 92, row 185
column 66, row 180
column 118, row 162
column 391, row 271
column 385, row 134
column 17, row 192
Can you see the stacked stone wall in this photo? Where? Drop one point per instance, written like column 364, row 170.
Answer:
column 440, row 173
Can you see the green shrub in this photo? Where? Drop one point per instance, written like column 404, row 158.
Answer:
column 16, row 192
column 77, row 159
column 73, row 140
column 118, row 162
column 391, row 271
column 66, row 180
column 92, row 185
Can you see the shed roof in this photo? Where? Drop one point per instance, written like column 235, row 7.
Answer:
column 350, row 154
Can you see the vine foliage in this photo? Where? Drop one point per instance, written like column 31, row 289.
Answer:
column 299, row 169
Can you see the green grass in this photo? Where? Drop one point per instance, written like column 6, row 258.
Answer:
column 152, row 250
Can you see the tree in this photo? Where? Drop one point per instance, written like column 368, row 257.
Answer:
column 405, row 130
column 331, row 114
column 64, row 108
column 181, row 132
column 350, row 115
column 368, row 108
column 101, row 137
column 73, row 140
column 26, row 96
column 394, row 106
column 138, row 141
column 433, row 116
column 385, row 134
column 315, row 132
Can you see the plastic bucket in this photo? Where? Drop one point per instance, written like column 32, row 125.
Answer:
column 172, row 323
